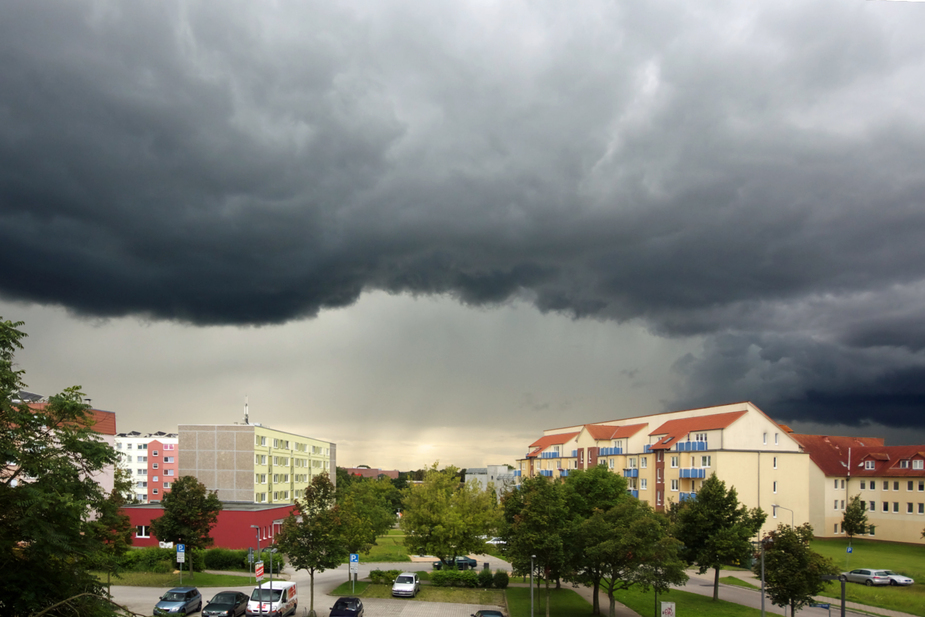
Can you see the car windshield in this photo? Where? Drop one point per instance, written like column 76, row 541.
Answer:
column 341, row 604
column 266, row 595
column 405, row 579
column 882, row 573
column 173, row 596
column 223, row 598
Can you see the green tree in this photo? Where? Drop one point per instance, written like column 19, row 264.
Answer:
column 311, row 535
column 112, row 527
column 366, row 512
column 190, row 513
column 715, row 529
column 49, row 456
column 630, row 545
column 587, row 491
column 446, row 518
column 854, row 520
column 535, row 518
column 792, row 570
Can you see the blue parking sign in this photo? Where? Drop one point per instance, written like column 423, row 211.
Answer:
column 354, row 558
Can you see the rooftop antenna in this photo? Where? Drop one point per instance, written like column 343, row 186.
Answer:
column 246, row 421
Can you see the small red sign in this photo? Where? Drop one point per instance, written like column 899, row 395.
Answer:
column 258, row 570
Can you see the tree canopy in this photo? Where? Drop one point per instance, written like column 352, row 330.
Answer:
column 366, row 512
column 190, row 513
column 49, row 496
column 854, row 521
column 715, row 529
column 792, row 570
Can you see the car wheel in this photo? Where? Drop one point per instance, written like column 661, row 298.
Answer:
column 892, row 583
column 869, row 583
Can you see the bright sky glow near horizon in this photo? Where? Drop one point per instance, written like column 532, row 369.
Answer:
column 426, row 231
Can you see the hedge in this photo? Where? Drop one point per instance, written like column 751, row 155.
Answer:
column 383, row 577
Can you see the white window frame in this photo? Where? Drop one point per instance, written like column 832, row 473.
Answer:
column 869, row 465
column 675, row 487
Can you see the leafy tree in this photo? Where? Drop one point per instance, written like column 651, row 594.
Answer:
column 854, row 521
column 630, row 545
column 49, row 456
column 445, row 518
column 792, row 571
column 311, row 536
column 112, row 527
column 715, row 529
column 586, row 491
column 366, row 512
column 534, row 524
column 190, row 513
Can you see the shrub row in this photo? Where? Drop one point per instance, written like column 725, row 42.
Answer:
column 383, row 577
column 160, row 560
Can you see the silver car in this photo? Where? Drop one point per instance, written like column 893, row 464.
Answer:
column 406, row 584
column 898, row 579
column 869, row 577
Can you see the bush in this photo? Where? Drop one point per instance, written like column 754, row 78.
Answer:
column 485, row 578
column 265, row 555
column 501, row 579
column 383, row 577
column 226, row 559
column 454, row 578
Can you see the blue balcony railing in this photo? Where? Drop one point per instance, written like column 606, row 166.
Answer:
column 549, row 455
column 574, row 453
column 630, row 473
column 563, row 473
column 694, row 472
column 610, row 451
column 647, row 448
column 546, row 472
column 634, row 493
column 686, row 496
column 690, row 446
column 517, row 473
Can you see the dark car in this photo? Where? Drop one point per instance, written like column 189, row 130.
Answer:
column 226, row 604
column 347, row 607
column 179, row 601
column 488, row 614
column 462, row 563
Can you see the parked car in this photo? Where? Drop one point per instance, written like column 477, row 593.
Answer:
column 488, row 614
column 898, row 579
column 226, row 604
column 179, row 601
column 495, row 541
column 276, row 600
column 462, row 563
column 347, row 607
column 868, row 577
column 407, row 584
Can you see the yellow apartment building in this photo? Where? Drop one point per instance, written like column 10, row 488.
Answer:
column 252, row 462
column 666, row 457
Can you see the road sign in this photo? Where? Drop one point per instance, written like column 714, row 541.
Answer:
column 821, row 605
column 668, row 609
column 849, row 550
column 258, row 570
column 181, row 553
column 354, row 558
column 250, row 555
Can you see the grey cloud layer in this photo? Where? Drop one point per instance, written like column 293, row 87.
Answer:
column 752, row 173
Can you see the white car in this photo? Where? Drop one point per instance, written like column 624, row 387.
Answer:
column 898, row 579
column 407, row 584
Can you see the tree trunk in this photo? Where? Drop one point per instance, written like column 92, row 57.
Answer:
column 613, row 604
column 311, row 593
column 595, row 601
column 547, row 596
column 716, row 583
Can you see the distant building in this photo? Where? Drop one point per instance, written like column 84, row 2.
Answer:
column 253, row 463
column 500, row 476
column 368, row 472
column 152, row 461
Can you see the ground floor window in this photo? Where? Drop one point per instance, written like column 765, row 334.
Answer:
column 142, row 531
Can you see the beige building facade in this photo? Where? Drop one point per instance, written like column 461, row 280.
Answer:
column 253, row 463
column 666, row 457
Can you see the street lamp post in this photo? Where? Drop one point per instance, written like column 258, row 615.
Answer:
column 260, row 584
column 532, row 557
column 775, row 506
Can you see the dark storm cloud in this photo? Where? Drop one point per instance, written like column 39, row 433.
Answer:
column 749, row 173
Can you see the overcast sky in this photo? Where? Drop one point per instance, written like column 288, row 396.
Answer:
column 428, row 230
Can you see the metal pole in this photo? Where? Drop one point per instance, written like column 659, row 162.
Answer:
column 774, row 505
column 260, row 585
column 762, row 578
column 532, row 557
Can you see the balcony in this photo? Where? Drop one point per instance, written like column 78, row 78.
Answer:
column 630, row 473
column 574, row 453
column 563, row 473
column 634, row 493
column 610, row 451
column 549, row 455
column 546, row 472
column 517, row 473
column 693, row 472
column 691, row 446
column 686, row 496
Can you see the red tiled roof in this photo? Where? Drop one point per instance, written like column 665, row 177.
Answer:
column 831, row 456
column 104, row 422
column 675, row 430
column 601, row 432
column 549, row 440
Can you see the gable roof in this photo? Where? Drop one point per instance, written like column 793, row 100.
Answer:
column 831, row 454
column 103, row 422
column 676, row 430
column 600, row 432
column 549, row 440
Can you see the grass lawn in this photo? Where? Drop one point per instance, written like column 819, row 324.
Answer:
column 388, row 548
column 452, row 595
column 732, row 580
column 347, row 589
column 901, row 558
column 202, row 579
column 562, row 602
column 687, row 604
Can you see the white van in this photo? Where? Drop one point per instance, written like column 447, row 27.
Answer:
column 276, row 601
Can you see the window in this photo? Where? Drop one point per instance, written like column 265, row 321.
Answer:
column 909, row 509
column 154, row 465
column 128, row 446
column 142, row 472
column 142, row 459
column 873, row 506
column 904, row 464
column 896, row 507
column 154, row 491
column 862, row 485
column 674, row 485
column 764, row 438
column 909, row 485
column 895, row 486
column 921, row 485
column 142, row 531
column 263, row 442
column 836, row 528
column 168, row 459
column 868, row 464
column 834, row 507
column 700, row 437
column 142, row 446
column 775, row 462
column 644, row 484
column 873, row 484
column 886, row 506
column 170, row 446
column 154, row 453
column 154, row 479
column 918, row 464
column 275, row 442
column 705, row 461
column 842, row 504
column 872, row 530
column 776, row 438
column 632, row 462
column 643, row 461
column 611, row 463
column 119, row 445
column 922, row 508
column 775, row 486
column 836, row 484
column 674, row 462
column 168, row 472
column 843, row 484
